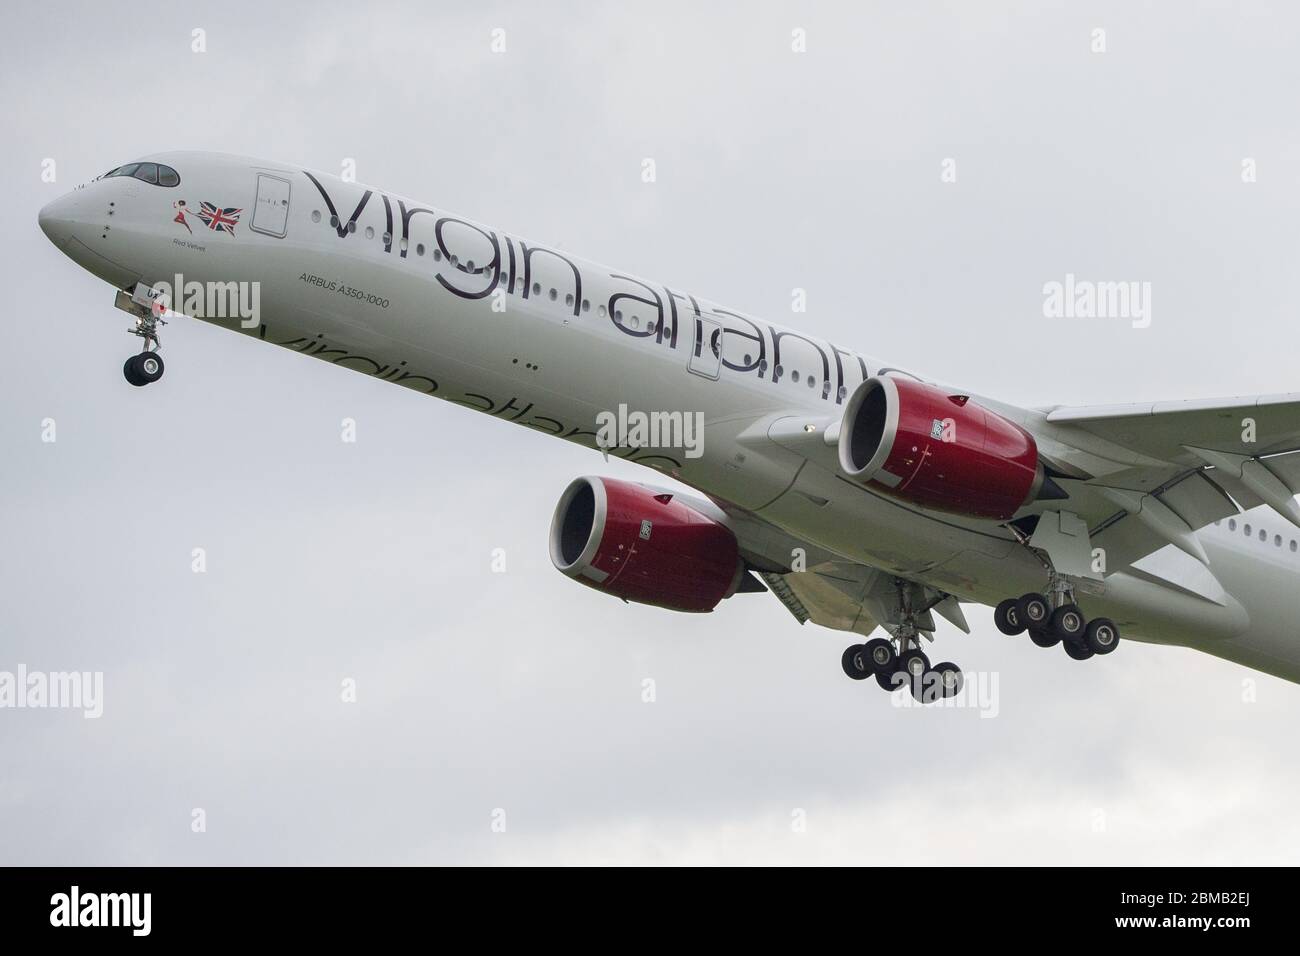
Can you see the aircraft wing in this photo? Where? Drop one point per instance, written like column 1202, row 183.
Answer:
column 1146, row 475
column 1165, row 429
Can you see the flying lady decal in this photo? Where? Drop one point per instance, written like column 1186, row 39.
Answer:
column 179, row 206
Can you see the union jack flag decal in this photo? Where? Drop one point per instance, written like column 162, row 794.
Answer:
column 218, row 219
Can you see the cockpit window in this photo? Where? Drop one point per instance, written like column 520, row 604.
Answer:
column 155, row 174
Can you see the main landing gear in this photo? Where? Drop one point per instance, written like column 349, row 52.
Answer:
column 898, row 661
column 1056, row 619
column 147, row 308
column 911, row 668
column 1061, row 543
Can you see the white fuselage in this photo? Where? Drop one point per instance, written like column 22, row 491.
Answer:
column 418, row 296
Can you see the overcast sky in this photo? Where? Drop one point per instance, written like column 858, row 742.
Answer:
column 371, row 562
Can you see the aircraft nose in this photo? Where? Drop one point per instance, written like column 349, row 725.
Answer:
column 57, row 218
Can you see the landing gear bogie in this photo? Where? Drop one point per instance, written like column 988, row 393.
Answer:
column 1056, row 619
column 898, row 661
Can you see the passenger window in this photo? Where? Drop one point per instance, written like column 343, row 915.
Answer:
column 1232, row 524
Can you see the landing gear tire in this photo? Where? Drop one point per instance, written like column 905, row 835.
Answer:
column 143, row 369
column 855, row 662
column 1101, row 635
column 914, row 666
column 1068, row 621
column 951, row 679
column 1077, row 650
column 890, row 681
column 1044, row 638
column 1007, row 617
column 880, row 655
column 925, row 689
column 913, row 663
column 1033, row 611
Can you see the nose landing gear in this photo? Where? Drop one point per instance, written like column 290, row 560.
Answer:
column 147, row 307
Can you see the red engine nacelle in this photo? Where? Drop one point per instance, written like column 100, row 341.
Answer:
column 643, row 545
column 939, row 450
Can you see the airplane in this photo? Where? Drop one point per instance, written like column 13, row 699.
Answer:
column 866, row 498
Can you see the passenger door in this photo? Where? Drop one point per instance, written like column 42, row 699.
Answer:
column 271, row 210
column 706, row 353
